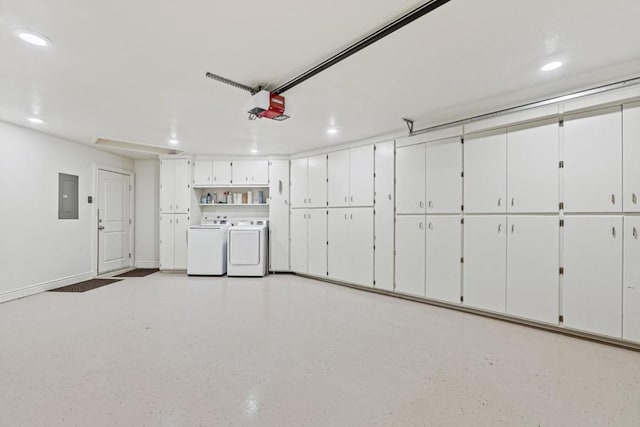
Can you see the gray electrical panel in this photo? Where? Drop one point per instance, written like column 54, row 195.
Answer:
column 67, row 196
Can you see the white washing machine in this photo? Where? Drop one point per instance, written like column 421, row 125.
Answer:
column 207, row 249
column 247, row 248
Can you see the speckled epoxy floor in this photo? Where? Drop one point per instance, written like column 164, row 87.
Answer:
column 185, row 351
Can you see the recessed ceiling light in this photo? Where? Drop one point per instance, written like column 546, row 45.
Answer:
column 36, row 120
column 551, row 66
column 254, row 151
column 34, row 38
column 174, row 141
column 332, row 131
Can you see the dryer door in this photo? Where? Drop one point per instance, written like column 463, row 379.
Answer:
column 244, row 247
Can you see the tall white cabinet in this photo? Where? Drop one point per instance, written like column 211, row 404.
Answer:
column 631, row 157
column 410, row 179
column 279, row 215
column 443, row 257
column 350, row 175
column 384, row 215
column 444, row 176
column 350, row 245
column 299, row 240
column 309, row 182
column 175, row 207
column 485, row 173
column 410, row 254
column 631, row 280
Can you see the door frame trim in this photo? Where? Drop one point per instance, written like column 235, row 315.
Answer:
column 94, row 213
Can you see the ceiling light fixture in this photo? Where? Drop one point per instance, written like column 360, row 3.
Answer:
column 34, row 38
column 174, row 141
column 36, row 120
column 254, row 151
column 551, row 66
column 332, row 131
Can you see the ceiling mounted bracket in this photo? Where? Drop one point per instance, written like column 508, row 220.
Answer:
column 251, row 90
column 409, row 124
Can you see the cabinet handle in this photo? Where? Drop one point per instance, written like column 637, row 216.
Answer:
column 635, row 233
column 305, row 201
column 345, row 198
column 613, row 199
column 430, row 204
column 309, row 201
column 345, row 216
column 513, row 228
column 352, row 198
column 499, row 201
column 351, row 216
column 170, row 207
column 512, row 201
column 176, row 220
column 634, row 198
column 430, row 226
column 215, row 178
column 421, row 226
column 177, row 207
column 613, row 232
column 246, row 178
column 304, row 216
column 309, row 216
column 499, row 228
column 170, row 221
column 421, row 205
column 389, row 196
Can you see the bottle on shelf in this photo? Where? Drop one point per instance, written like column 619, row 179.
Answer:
column 208, row 198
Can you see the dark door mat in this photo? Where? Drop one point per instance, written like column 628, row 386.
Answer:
column 85, row 286
column 138, row 272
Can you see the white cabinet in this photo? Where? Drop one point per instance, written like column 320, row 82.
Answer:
column 383, row 219
column 299, row 240
column 593, row 162
column 631, row 164
column 485, row 173
column 279, row 215
column 631, row 281
column 173, row 241
column 202, row 172
column 485, row 262
column 211, row 172
column 317, row 242
column 533, row 263
column 592, row 289
column 350, row 248
column 533, row 168
column 317, row 188
column 338, row 174
column 444, row 176
column 299, row 183
column 443, row 253
column 361, row 176
column 250, row 172
column 410, row 179
column 175, row 185
column 410, row 254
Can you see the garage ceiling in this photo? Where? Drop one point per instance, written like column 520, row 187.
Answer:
column 134, row 71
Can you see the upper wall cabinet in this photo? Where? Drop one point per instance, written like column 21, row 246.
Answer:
column 250, row 172
column 444, row 176
column 533, row 168
column 212, row 172
column 410, row 179
column 299, row 183
column 593, row 161
column 175, row 184
column 485, row 173
column 350, row 174
column 309, row 182
column 631, row 165
column 338, row 175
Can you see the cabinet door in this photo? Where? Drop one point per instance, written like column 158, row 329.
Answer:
column 410, row 254
column 202, row 172
column 443, row 264
column 444, row 176
column 241, row 172
column 592, row 297
column 338, row 175
column 317, row 242
column 299, row 240
column 279, row 215
column 221, row 172
column 317, row 169
column 166, row 241
column 533, row 262
column 338, row 237
column 410, row 179
column 360, row 247
column 532, row 168
column 631, row 289
column 299, row 183
column 181, row 227
column 167, row 185
column 260, row 172
column 485, row 262
column 631, row 168
column 182, row 186
column 485, row 173
column 383, row 218
column 361, row 176
column 593, row 162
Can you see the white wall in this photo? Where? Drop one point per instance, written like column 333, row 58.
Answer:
column 38, row 251
column 147, row 189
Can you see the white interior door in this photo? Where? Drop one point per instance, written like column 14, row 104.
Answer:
column 114, row 242
column 361, row 176
column 299, row 183
column 383, row 219
column 592, row 297
column 338, row 175
column 533, row 168
column 410, row 254
column 485, row 262
column 410, row 179
column 338, row 248
column 299, row 240
column 443, row 253
column 167, row 238
column 485, row 173
column 279, row 215
column 202, row 172
column 317, row 242
column 317, row 194
column 444, row 176
column 631, row 168
column 533, row 262
column 593, row 162
column 360, row 246
column 631, row 290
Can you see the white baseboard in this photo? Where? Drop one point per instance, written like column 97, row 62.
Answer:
column 147, row 264
column 44, row 286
